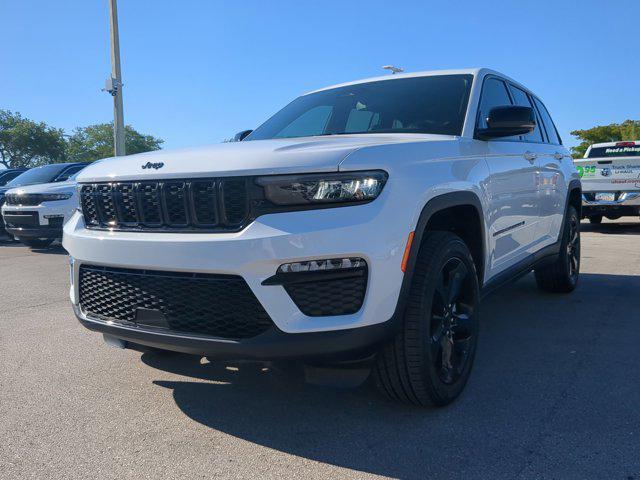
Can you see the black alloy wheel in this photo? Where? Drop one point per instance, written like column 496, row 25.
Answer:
column 561, row 274
column 573, row 248
column 451, row 313
column 429, row 360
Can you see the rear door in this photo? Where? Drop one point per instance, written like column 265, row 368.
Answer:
column 552, row 187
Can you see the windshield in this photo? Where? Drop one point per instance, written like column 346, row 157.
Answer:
column 432, row 104
column 6, row 177
column 44, row 174
column 629, row 150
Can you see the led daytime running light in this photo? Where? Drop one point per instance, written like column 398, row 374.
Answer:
column 323, row 265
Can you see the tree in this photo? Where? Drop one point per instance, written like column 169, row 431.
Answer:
column 96, row 141
column 25, row 143
column 627, row 130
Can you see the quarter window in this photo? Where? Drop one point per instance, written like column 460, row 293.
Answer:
column 552, row 133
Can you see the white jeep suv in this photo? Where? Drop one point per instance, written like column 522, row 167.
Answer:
column 361, row 224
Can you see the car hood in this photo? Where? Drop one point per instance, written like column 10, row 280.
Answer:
column 255, row 157
column 57, row 187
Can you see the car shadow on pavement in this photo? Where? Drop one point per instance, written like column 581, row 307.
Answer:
column 534, row 406
column 55, row 249
column 619, row 228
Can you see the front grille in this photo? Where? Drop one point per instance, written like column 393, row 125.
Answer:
column 26, row 200
column 214, row 305
column 342, row 296
column 213, row 204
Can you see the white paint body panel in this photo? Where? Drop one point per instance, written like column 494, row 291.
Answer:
column 510, row 189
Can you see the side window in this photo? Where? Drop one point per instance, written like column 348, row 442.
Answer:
column 522, row 100
column 494, row 94
column 312, row 122
column 68, row 172
column 552, row 133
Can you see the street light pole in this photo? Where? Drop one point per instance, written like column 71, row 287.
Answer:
column 116, row 81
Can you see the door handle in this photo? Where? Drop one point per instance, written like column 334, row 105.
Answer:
column 558, row 156
column 531, row 156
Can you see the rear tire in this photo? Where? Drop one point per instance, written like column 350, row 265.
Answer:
column 36, row 242
column 429, row 361
column 595, row 219
column 561, row 276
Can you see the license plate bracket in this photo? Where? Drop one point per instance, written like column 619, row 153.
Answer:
column 606, row 196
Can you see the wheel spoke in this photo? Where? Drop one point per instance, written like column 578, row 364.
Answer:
column 574, row 263
column 574, row 236
column 447, row 356
column 456, row 278
column 462, row 324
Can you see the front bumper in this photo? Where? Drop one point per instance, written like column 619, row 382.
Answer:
column 45, row 232
column 38, row 221
column 338, row 345
column 367, row 231
column 626, row 204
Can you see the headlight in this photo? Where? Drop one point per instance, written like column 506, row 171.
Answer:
column 324, row 188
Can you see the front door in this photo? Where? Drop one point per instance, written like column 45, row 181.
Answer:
column 513, row 202
column 512, row 187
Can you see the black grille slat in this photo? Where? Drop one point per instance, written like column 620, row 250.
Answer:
column 125, row 200
column 148, row 194
column 215, row 305
column 106, row 206
column 88, row 203
column 210, row 204
column 175, row 206
column 233, row 194
column 204, row 201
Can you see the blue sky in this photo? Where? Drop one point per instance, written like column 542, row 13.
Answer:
column 197, row 71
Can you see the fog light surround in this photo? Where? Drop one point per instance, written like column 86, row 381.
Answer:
column 324, row 287
column 323, row 265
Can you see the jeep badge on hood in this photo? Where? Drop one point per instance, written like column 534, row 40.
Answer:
column 155, row 166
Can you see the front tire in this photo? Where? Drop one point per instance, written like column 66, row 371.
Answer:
column 429, row 361
column 561, row 276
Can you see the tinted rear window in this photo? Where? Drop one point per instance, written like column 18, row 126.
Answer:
column 598, row 152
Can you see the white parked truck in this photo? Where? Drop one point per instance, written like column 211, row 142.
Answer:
column 610, row 175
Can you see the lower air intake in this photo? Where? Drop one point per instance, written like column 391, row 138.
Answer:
column 213, row 305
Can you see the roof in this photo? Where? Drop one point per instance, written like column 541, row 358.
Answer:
column 478, row 71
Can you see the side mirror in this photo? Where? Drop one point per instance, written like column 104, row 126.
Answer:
column 507, row 121
column 241, row 135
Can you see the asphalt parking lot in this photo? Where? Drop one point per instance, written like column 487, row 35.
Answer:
column 554, row 393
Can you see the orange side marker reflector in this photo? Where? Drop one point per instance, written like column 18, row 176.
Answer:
column 407, row 249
